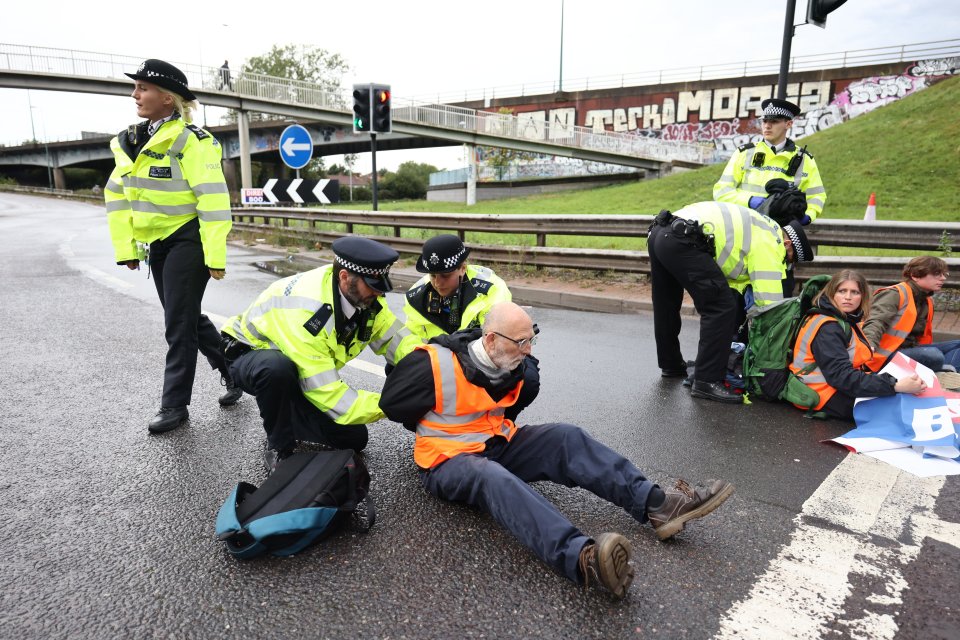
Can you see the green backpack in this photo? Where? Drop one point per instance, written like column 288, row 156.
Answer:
column 771, row 335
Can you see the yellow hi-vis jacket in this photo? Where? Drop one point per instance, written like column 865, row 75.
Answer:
column 742, row 179
column 748, row 247
column 285, row 316
column 483, row 290
column 176, row 177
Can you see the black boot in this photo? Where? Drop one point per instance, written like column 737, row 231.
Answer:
column 168, row 419
column 715, row 391
column 232, row 394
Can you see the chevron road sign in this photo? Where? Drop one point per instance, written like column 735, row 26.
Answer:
column 301, row 191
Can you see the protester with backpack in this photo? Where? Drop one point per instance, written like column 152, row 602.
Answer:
column 831, row 352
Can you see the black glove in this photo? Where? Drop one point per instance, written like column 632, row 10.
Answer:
column 786, row 206
column 777, row 185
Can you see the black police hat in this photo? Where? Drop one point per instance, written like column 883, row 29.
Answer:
column 368, row 259
column 802, row 249
column 442, row 254
column 775, row 109
column 163, row 74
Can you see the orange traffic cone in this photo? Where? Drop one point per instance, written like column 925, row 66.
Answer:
column 871, row 213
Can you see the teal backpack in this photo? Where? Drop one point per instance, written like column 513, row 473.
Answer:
column 771, row 336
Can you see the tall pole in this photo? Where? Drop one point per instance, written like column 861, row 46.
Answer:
column 561, row 46
column 785, row 53
column 33, row 131
column 373, row 162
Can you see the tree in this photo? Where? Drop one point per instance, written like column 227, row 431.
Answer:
column 500, row 158
column 410, row 182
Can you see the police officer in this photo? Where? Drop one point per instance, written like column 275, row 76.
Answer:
column 713, row 250
column 167, row 195
column 454, row 295
column 288, row 347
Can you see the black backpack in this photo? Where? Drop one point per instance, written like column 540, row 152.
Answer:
column 305, row 499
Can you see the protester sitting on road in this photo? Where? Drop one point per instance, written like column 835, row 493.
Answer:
column 714, row 250
column 455, row 295
column 831, row 351
column 288, row 347
column 901, row 318
column 167, row 203
column 453, row 392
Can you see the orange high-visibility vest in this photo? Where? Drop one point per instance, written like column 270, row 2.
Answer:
column 902, row 325
column 464, row 416
column 805, row 367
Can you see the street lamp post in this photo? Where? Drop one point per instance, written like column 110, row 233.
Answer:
column 561, row 46
column 46, row 145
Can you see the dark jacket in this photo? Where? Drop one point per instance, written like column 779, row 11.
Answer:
column 830, row 353
column 409, row 393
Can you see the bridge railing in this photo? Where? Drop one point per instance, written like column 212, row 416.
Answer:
column 303, row 93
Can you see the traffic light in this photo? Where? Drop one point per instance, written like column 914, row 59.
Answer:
column 817, row 11
column 382, row 119
column 362, row 108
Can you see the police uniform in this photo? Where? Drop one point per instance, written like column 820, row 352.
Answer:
column 745, row 178
column 711, row 250
column 167, row 192
column 427, row 314
column 287, row 349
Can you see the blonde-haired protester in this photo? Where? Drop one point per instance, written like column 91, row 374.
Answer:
column 167, row 202
column 831, row 352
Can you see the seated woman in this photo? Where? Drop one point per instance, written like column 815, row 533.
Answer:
column 831, row 351
column 902, row 318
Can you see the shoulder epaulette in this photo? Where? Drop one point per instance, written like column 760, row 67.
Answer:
column 746, row 146
column 197, row 131
column 318, row 320
column 481, row 286
column 414, row 292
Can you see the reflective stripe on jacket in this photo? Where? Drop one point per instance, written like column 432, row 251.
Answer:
column 176, row 177
column 741, row 180
column 806, row 368
column 902, row 325
column 748, row 247
column 464, row 417
column 276, row 320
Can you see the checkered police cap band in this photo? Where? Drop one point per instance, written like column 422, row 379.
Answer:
column 773, row 111
column 449, row 262
column 150, row 73
column 797, row 245
column 364, row 271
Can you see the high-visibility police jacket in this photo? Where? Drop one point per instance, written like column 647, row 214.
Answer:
column 481, row 289
column 902, row 324
column 753, row 165
column 300, row 316
column 174, row 178
column 748, row 247
column 805, row 366
column 464, row 417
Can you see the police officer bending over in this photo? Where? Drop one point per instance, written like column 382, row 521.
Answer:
column 714, row 250
column 453, row 392
column 288, row 347
column 455, row 295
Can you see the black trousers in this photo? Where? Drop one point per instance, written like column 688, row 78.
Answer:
column 678, row 264
column 287, row 415
column 181, row 276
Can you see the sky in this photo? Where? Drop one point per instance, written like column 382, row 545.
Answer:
column 431, row 48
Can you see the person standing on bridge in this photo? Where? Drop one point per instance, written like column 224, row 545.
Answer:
column 288, row 347
column 774, row 176
column 454, row 295
column 714, row 251
column 167, row 197
column 453, row 393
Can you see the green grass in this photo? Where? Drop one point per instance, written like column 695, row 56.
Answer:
column 907, row 152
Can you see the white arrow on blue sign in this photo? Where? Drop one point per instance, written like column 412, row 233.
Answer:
column 296, row 147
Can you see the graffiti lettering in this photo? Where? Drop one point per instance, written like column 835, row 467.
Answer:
column 941, row 67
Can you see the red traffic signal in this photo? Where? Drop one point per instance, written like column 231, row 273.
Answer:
column 382, row 117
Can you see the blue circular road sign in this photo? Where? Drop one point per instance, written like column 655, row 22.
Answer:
column 296, row 147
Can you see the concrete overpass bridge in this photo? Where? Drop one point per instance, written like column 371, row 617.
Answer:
column 414, row 124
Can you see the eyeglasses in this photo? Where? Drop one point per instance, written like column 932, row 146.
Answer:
column 522, row 342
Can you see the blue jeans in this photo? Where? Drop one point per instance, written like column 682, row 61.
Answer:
column 936, row 355
column 496, row 481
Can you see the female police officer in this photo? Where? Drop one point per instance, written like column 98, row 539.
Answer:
column 167, row 195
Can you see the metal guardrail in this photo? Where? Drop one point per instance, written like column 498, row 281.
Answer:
column 919, row 236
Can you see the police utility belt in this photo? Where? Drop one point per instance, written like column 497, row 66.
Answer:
column 232, row 348
column 683, row 228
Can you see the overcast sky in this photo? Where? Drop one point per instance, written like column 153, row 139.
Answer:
column 429, row 47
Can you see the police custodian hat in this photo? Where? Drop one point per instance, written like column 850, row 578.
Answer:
column 368, row 259
column 163, row 74
column 802, row 248
column 775, row 109
column 442, row 254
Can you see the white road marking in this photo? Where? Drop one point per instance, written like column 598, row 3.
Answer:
column 66, row 251
column 866, row 519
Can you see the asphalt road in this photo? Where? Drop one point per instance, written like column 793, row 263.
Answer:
column 108, row 532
